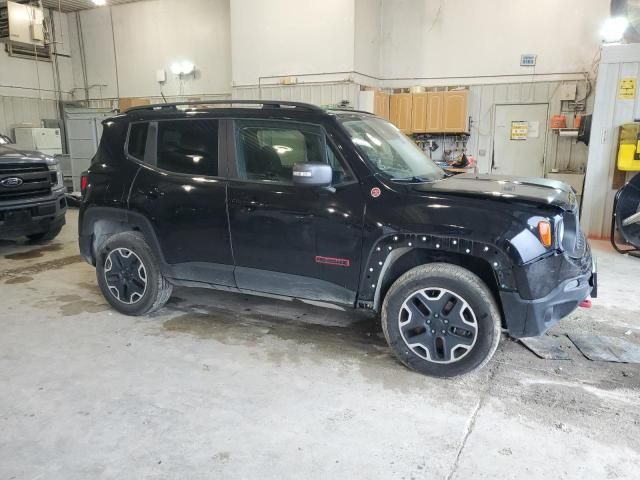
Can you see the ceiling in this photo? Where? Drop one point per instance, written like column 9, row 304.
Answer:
column 75, row 5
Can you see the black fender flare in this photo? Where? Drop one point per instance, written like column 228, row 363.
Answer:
column 388, row 249
column 132, row 220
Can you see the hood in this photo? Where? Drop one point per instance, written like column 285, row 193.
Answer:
column 13, row 154
column 534, row 190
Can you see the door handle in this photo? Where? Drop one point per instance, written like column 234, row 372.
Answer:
column 153, row 192
column 248, row 205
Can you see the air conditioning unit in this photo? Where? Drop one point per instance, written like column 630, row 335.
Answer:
column 21, row 24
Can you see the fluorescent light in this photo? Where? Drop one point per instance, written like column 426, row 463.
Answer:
column 614, row 28
column 99, row 3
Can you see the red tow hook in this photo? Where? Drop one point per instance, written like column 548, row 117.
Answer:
column 585, row 303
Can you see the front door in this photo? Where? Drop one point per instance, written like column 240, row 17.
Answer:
column 291, row 240
column 181, row 192
column 519, row 140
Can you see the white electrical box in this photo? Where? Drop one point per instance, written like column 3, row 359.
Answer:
column 161, row 76
column 568, row 91
column 22, row 23
column 43, row 140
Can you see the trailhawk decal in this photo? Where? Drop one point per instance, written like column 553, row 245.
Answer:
column 336, row 262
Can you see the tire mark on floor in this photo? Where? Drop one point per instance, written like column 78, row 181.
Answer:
column 42, row 267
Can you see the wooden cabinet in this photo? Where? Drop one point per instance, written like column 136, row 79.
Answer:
column 381, row 104
column 400, row 105
column 419, row 112
column 435, row 102
column 454, row 118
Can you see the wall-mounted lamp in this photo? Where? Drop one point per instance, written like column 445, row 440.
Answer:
column 183, row 68
column 614, row 28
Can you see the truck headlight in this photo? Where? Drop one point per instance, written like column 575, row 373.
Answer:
column 55, row 167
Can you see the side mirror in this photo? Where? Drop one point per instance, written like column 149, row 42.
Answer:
column 312, row 174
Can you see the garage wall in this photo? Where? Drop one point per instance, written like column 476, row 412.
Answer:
column 618, row 61
column 561, row 153
column 367, row 43
column 150, row 36
column 290, row 37
column 20, row 77
column 472, row 38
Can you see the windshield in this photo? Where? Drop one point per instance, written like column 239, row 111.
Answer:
column 388, row 150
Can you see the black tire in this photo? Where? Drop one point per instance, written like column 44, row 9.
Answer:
column 45, row 236
column 125, row 286
column 461, row 338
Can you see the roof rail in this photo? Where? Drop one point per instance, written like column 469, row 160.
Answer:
column 264, row 103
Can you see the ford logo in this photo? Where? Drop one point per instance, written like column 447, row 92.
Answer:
column 11, row 182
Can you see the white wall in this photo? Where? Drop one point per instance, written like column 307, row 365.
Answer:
column 150, row 36
column 20, row 77
column 368, row 23
column 472, row 38
column 289, row 37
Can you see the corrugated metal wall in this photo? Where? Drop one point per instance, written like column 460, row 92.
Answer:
column 561, row 153
column 19, row 110
column 609, row 113
column 318, row 94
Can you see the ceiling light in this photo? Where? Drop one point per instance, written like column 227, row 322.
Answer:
column 614, row 28
column 99, row 3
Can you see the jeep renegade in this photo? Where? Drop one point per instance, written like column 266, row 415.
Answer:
column 292, row 200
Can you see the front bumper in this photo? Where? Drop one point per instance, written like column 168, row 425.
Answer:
column 32, row 216
column 530, row 317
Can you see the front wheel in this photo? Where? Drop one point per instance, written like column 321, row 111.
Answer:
column 441, row 320
column 129, row 275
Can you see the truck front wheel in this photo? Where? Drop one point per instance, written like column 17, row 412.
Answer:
column 441, row 320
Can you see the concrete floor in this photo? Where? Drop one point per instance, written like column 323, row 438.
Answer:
column 219, row 385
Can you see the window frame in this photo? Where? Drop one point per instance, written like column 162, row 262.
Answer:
column 151, row 149
column 327, row 140
column 147, row 152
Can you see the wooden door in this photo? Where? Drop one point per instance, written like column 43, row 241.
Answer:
column 381, row 104
column 435, row 101
column 400, row 111
column 455, row 111
column 419, row 112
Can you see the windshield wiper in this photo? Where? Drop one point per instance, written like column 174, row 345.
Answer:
column 413, row 179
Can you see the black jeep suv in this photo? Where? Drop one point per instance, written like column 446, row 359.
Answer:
column 32, row 200
column 327, row 206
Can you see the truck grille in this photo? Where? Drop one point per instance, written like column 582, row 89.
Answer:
column 33, row 180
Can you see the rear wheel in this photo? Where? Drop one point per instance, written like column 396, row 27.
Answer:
column 441, row 320
column 129, row 276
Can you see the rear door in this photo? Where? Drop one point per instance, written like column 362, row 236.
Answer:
column 182, row 192
column 291, row 240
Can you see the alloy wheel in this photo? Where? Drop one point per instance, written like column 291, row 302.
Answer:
column 438, row 325
column 125, row 275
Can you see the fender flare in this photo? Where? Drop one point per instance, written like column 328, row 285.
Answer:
column 138, row 222
column 388, row 249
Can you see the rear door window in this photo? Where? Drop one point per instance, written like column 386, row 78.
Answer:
column 138, row 140
column 188, row 147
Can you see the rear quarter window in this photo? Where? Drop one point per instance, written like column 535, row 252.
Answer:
column 138, row 140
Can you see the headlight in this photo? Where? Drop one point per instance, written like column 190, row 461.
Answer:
column 55, row 167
